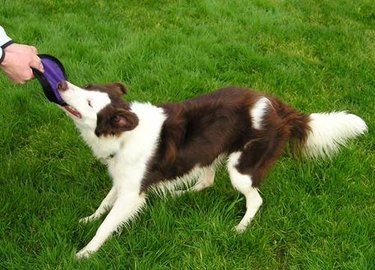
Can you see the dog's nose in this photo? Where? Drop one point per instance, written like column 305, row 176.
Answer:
column 62, row 85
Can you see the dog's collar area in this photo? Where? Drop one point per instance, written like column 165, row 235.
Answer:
column 113, row 154
column 110, row 156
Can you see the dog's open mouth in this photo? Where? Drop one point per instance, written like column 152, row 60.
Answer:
column 73, row 111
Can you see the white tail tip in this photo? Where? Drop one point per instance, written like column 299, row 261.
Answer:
column 329, row 131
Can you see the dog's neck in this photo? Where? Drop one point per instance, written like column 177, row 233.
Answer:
column 104, row 148
column 109, row 148
column 109, row 158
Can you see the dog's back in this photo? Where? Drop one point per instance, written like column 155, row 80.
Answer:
column 197, row 131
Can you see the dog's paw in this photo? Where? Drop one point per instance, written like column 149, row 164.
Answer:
column 84, row 254
column 239, row 228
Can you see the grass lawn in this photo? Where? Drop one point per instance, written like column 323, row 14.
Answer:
column 315, row 55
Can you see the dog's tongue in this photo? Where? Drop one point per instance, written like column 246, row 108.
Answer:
column 73, row 111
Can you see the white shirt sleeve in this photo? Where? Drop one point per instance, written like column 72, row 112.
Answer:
column 4, row 39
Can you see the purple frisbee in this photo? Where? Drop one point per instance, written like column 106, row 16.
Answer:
column 54, row 72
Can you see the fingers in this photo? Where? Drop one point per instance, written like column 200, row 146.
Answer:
column 24, row 77
column 28, row 51
column 36, row 62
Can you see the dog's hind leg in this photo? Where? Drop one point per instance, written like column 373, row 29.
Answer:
column 243, row 183
column 105, row 205
column 126, row 206
column 205, row 180
column 248, row 168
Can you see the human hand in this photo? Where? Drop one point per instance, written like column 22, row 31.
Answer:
column 18, row 61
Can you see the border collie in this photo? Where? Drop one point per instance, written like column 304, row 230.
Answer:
column 147, row 146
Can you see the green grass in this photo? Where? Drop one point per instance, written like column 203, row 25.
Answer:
column 316, row 55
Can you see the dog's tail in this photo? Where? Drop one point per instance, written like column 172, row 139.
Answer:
column 320, row 134
column 328, row 131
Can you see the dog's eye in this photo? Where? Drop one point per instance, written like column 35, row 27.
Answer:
column 89, row 103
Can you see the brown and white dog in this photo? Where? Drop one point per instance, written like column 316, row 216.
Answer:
column 147, row 146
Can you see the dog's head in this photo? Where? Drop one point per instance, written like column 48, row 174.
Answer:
column 98, row 108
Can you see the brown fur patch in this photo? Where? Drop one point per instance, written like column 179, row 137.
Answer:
column 198, row 130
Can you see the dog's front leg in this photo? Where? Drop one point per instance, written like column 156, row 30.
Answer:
column 125, row 207
column 105, row 205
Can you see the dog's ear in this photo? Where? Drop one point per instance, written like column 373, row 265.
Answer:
column 124, row 120
column 119, row 88
column 115, row 121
